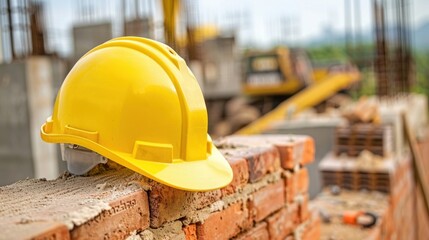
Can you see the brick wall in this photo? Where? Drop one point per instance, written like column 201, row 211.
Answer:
column 422, row 217
column 267, row 199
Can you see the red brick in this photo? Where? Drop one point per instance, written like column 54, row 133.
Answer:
column 190, row 232
column 303, row 211
column 127, row 214
column 267, row 200
column 241, row 175
column 259, row 232
column 302, row 180
column 56, row 231
column 168, row 204
column 283, row 223
column 309, row 151
column 294, row 149
column 225, row 224
column 262, row 163
column 34, row 230
column 287, row 159
column 261, row 160
column 291, row 183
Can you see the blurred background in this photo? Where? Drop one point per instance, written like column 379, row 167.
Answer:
column 248, row 56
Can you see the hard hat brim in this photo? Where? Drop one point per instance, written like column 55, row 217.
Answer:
column 211, row 173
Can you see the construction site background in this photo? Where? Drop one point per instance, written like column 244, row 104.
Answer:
column 320, row 107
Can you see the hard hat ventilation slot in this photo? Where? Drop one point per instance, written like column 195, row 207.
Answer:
column 171, row 51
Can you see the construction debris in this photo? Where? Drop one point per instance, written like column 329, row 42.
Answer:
column 335, row 206
column 364, row 111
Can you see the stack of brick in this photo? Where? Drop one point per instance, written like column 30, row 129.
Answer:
column 368, row 172
column 267, row 199
column 364, row 158
column 353, row 139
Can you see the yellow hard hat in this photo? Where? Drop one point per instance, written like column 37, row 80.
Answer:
column 135, row 102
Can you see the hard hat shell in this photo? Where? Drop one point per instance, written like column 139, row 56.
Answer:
column 135, row 101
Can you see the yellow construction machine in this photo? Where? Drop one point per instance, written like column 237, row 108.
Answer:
column 281, row 71
column 289, row 72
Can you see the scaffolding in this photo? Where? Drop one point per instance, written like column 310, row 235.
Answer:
column 22, row 29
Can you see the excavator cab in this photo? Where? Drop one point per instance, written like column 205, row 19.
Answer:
column 281, row 71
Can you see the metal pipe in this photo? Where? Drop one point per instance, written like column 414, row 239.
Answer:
column 10, row 27
column 381, row 54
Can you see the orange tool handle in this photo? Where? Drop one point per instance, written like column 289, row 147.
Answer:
column 350, row 217
column 355, row 218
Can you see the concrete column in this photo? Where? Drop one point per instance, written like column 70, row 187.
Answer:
column 40, row 95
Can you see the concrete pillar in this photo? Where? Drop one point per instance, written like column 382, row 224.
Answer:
column 40, row 95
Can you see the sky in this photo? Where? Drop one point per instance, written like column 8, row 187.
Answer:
column 260, row 22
